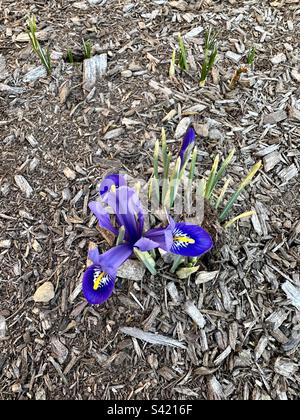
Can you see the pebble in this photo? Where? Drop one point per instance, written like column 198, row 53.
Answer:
column 44, row 293
column 126, row 73
column 132, row 270
column 70, row 174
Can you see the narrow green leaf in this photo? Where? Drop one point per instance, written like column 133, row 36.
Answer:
column 221, row 171
column 147, row 260
column 121, row 235
column 212, row 177
column 240, row 216
column 172, row 69
column 222, row 193
column 246, row 181
column 178, row 260
column 186, row 272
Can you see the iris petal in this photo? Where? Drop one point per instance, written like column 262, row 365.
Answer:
column 188, row 140
column 113, row 180
column 190, row 240
column 129, row 212
column 104, row 289
column 102, row 216
column 163, row 237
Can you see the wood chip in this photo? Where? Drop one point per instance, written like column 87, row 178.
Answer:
column 152, row 338
column 293, row 293
column 182, row 127
column 195, row 314
column 24, row 186
column 35, row 74
column 93, row 70
column 206, row 276
column 275, row 117
column 285, row 367
column 2, row 327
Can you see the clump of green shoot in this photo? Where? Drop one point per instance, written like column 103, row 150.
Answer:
column 251, row 56
column 182, row 60
column 216, row 174
column 210, row 55
column 244, row 68
column 87, row 48
column 70, row 56
column 44, row 55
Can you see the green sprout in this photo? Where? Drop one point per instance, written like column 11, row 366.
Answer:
column 44, row 55
column 87, row 48
column 183, row 63
column 243, row 68
column 251, row 56
column 70, row 56
column 210, row 54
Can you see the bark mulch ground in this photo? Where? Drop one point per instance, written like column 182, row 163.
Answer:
column 57, row 142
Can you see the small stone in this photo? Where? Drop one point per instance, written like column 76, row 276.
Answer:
column 279, row 58
column 201, row 130
column 36, row 246
column 16, row 388
column 2, row 327
column 126, row 73
column 23, row 185
column 40, row 395
column 44, row 293
column 112, row 134
column 294, row 113
column 132, row 270
column 5, row 243
column 182, row 127
column 70, row 174
column 232, row 56
column 35, row 74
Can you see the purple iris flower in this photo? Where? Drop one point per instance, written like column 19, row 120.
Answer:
column 188, row 141
column 99, row 279
column 183, row 239
column 178, row 238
